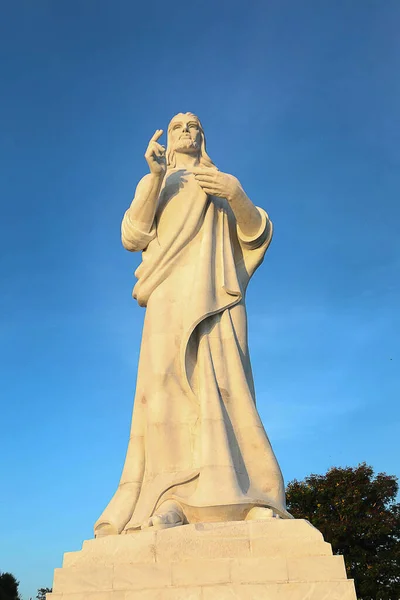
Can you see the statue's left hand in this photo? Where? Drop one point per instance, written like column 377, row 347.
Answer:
column 215, row 183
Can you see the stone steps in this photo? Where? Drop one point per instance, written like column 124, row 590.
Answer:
column 336, row 590
column 268, row 560
column 274, row 537
column 130, row 576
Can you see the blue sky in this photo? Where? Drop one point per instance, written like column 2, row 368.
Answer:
column 300, row 100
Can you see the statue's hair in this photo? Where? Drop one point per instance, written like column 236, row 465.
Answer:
column 204, row 159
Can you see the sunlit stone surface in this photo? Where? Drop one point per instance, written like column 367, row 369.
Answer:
column 200, row 510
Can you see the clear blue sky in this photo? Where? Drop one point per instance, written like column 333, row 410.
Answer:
column 300, row 100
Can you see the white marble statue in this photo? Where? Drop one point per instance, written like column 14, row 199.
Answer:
column 198, row 450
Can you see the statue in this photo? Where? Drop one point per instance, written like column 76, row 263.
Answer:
column 198, row 451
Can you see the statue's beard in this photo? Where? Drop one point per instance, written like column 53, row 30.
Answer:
column 186, row 146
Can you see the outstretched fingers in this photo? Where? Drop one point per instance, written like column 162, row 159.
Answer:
column 154, row 148
column 158, row 133
column 205, row 171
column 158, row 149
column 205, row 178
column 209, row 178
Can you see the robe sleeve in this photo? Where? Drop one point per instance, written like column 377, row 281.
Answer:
column 254, row 247
column 133, row 238
column 263, row 235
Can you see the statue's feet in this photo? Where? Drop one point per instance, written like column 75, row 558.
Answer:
column 103, row 529
column 168, row 515
column 261, row 513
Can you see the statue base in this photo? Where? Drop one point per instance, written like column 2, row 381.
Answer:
column 274, row 559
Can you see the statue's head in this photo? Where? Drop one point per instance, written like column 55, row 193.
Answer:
column 186, row 135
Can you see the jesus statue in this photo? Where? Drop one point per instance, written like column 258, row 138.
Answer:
column 198, row 451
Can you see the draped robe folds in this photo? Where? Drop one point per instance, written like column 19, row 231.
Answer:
column 196, row 435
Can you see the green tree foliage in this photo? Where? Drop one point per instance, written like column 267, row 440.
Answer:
column 41, row 593
column 357, row 513
column 8, row 587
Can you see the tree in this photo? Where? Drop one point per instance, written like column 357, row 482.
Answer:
column 41, row 593
column 356, row 512
column 8, row 587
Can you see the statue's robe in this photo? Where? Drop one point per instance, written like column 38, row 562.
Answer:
column 196, row 434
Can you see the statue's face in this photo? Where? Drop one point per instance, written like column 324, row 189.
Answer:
column 184, row 134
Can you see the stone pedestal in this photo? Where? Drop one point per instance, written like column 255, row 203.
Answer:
column 273, row 559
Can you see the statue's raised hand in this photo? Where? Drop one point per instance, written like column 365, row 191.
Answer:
column 155, row 155
column 215, row 183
